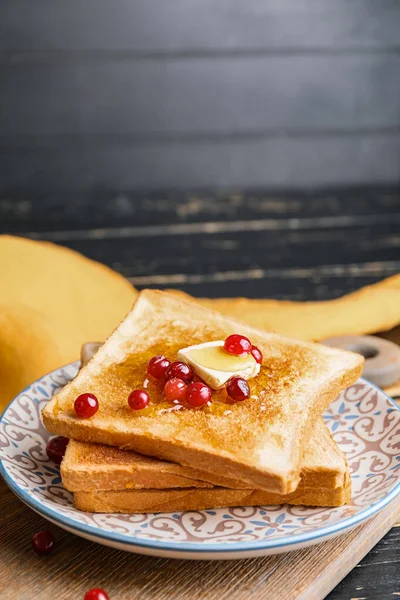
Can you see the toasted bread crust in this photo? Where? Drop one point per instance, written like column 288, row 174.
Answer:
column 260, row 449
column 94, row 467
column 139, row 501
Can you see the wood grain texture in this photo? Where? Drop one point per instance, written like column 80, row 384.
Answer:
column 263, row 249
column 312, row 245
column 78, row 565
column 255, row 264
column 70, row 214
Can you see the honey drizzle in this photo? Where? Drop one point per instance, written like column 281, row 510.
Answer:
column 211, row 423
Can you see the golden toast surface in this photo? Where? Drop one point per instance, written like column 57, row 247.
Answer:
column 259, row 441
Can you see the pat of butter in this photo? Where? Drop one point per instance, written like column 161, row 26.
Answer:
column 215, row 366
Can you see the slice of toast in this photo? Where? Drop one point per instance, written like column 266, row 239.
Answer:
column 91, row 467
column 106, row 479
column 258, row 441
column 95, row 467
column 173, row 500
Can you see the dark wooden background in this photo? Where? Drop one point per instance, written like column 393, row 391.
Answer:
column 161, row 94
column 220, row 146
column 304, row 245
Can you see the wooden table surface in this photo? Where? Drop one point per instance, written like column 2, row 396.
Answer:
column 314, row 245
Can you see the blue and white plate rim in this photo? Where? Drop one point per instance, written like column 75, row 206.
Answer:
column 192, row 547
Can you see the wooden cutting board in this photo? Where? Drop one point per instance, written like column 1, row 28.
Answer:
column 77, row 565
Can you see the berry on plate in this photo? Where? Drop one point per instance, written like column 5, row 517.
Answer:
column 56, row 448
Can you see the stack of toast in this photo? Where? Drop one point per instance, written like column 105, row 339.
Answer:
column 272, row 448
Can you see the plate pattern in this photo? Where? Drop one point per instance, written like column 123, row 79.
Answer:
column 363, row 421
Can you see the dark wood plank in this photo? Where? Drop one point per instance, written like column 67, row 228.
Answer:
column 148, row 25
column 185, row 94
column 250, row 264
column 201, row 252
column 296, row 246
column 35, row 211
column 289, row 285
column 200, row 96
column 338, row 243
column 376, row 577
column 285, row 162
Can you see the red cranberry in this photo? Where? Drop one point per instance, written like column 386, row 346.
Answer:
column 43, row 542
column 236, row 344
column 238, row 389
column 256, row 354
column 157, row 366
column 198, row 394
column 180, row 370
column 138, row 399
column 56, row 448
column 175, row 389
column 86, row 405
column 96, row 594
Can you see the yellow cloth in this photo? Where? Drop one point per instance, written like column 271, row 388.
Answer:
column 52, row 300
column 371, row 309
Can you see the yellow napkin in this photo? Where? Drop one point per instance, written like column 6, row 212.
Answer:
column 368, row 310
column 52, row 300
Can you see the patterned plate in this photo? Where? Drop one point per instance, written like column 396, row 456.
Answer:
column 363, row 421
